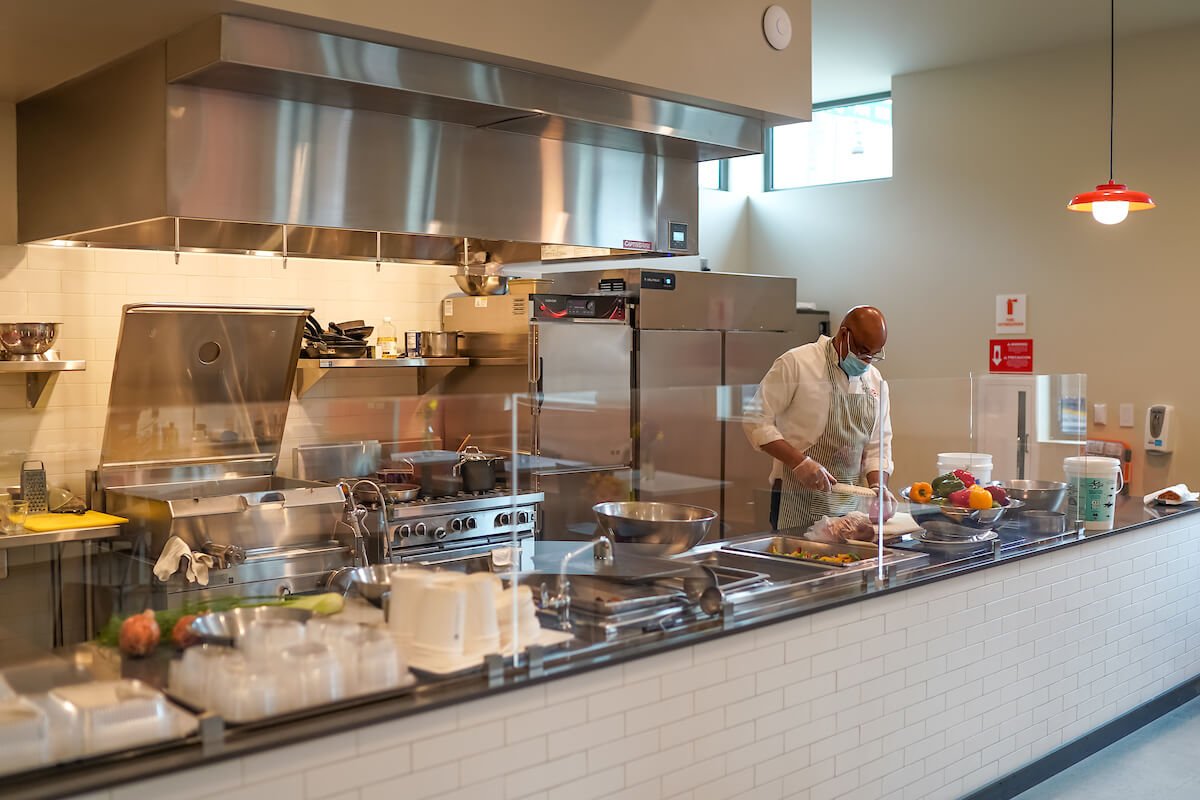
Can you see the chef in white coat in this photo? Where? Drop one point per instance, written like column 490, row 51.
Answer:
column 822, row 414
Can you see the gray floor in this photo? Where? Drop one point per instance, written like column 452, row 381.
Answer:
column 1160, row 761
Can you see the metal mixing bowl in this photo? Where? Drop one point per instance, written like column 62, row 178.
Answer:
column 1037, row 495
column 28, row 338
column 661, row 528
column 982, row 517
column 476, row 283
column 374, row 581
column 227, row 627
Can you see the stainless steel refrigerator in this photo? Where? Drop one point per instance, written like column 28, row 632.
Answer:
column 637, row 375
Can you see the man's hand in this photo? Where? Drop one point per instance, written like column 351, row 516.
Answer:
column 889, row 505
column 811, row 475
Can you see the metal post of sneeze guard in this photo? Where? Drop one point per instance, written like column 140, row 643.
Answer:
column 212, row 733
column 493, row 664
column 537, row 660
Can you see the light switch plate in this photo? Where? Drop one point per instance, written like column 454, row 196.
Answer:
column 1126, row 415
column 1100, row 414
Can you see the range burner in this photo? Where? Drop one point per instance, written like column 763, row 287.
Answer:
column 464, row 519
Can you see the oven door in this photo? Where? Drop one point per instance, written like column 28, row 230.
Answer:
column 494, row 555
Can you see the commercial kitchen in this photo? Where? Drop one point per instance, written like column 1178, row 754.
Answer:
column 402, row 402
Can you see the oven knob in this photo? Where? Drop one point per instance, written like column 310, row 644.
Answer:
column 440, row 533
column 522, row 517
column 471, row 523
column 419, row 530
column 405, row 531
column 504, row 519
column 456, row 524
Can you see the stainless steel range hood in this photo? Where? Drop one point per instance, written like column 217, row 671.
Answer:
column 248, row 136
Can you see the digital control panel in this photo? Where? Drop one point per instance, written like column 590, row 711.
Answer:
column 659, row 280
column 565, row 306
column 677, row 236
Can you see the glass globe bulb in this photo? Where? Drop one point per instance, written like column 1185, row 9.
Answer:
column 1110, row 212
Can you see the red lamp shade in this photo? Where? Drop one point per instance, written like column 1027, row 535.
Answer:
column 1111, row 193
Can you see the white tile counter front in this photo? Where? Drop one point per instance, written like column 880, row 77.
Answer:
column 928, row 692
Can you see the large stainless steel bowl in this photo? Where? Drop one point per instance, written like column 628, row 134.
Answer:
column 1037, row 495
column 660, row 528
column 227, row 627
column 476, row 283
column 28, row 338
column 375, row 581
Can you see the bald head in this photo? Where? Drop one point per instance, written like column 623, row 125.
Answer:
column 863, row 331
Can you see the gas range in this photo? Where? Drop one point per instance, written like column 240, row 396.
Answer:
column 430, row 526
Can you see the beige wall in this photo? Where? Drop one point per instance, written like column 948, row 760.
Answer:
column 986, row 158
column 724, row 230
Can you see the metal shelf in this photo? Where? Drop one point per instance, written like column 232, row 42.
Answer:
column 499, row 361
column 428, row 372
column 38, row 374
column 384, row 363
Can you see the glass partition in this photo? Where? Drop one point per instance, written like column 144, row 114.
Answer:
column 448, row 529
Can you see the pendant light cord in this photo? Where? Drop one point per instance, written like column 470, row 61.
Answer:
column 1112, row 80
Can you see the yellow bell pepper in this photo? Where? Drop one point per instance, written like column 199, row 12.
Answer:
column 979, row 498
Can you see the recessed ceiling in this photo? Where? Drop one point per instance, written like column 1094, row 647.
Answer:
column 858, row 45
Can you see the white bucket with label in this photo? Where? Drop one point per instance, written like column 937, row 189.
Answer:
column 1092, row 486
column 978, row 464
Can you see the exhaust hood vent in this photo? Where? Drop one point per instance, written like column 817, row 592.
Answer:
column 248, row 136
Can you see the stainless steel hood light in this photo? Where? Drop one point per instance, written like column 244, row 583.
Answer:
column 253, row 137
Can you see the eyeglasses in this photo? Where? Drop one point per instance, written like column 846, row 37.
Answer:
column 866, row 358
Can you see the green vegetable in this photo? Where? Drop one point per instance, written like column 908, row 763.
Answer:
column 320, row 604
column 947, row 484
column 167, row 618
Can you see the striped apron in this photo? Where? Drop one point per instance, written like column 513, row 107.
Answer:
column 839, row 449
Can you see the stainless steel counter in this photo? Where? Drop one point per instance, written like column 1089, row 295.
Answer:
column 573, row 659
column 31, row 538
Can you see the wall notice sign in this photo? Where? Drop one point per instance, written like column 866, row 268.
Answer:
column 1010, row 355
column 1010, row 313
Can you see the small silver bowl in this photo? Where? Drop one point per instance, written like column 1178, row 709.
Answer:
column 478, row 283
column 28, row 340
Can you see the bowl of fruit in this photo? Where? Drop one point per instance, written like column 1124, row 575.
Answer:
column 960, row 498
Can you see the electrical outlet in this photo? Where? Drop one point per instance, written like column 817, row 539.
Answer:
column 1126, row 415
column 1100, row 413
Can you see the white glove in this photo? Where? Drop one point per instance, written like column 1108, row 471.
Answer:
column 198, row 566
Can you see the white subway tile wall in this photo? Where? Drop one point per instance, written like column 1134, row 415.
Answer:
column 85, row 288
column 800, row 709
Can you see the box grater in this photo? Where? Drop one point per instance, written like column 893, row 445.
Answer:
column 33, row 486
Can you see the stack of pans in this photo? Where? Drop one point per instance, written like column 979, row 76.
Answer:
column 341, row 340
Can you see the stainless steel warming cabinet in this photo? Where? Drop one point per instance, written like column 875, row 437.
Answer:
column 196, row 413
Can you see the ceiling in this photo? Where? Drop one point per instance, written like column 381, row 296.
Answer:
column 859, row 44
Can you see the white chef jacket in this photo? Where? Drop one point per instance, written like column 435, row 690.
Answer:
column 792, row 403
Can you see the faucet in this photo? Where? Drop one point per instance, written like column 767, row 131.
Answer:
column 560, row 599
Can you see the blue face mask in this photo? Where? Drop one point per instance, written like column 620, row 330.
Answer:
column 852, row 365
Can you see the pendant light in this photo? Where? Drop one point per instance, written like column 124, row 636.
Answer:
column 1111, row 202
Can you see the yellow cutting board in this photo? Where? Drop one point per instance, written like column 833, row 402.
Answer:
column 44, row 523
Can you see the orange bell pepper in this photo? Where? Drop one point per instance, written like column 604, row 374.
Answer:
column 920, row 493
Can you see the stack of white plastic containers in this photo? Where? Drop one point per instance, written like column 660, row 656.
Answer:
column 283, row 665
column 448, row 621
column 84, row 719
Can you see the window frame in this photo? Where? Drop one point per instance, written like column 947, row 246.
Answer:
column 769, row 148
column 722, row 176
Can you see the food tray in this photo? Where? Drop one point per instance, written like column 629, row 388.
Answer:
column 866, row 554
column 103, row 716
